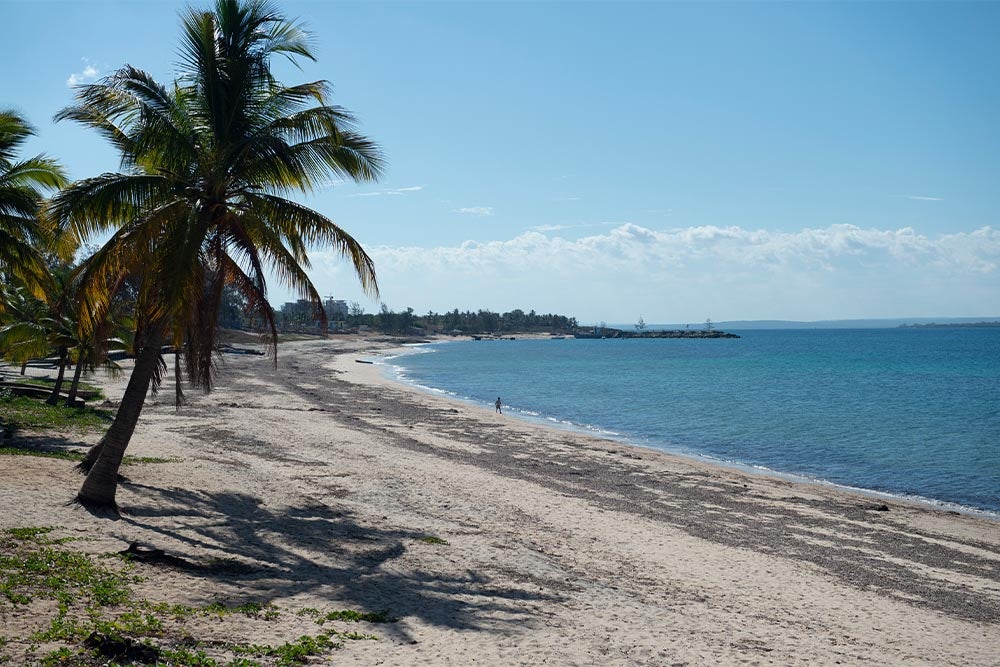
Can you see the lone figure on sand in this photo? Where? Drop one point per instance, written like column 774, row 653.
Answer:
column 498, row 404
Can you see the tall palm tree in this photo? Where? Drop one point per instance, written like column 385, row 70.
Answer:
column 201, row 203
column 23, row 235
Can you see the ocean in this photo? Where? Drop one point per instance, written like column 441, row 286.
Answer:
column 907, row 412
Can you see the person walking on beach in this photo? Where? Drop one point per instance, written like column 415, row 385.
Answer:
column 498, row 404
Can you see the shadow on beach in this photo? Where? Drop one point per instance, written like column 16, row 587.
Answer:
column 323, row 552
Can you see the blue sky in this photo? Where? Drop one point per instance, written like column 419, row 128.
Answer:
column 606, row 160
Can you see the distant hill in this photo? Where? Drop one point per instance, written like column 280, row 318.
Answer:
column 885, row 323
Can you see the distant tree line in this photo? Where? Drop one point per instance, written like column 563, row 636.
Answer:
column 233, row 315
column 480, row 321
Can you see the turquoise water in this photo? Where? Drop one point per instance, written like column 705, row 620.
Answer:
column 902, row 411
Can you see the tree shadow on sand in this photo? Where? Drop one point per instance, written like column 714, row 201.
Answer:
column 30, row 443
column 325, row 552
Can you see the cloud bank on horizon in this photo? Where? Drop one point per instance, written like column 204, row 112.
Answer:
column 687, row 274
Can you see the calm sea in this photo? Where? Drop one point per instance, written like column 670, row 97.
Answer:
column 910, row 412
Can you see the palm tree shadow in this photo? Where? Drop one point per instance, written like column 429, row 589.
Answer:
column 324, row 551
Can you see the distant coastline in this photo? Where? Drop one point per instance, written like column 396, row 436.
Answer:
column 871, row 323
column 658, row 333
column 951, row 325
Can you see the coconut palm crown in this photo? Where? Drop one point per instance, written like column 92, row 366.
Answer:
column 201, row 202
column 23, row 234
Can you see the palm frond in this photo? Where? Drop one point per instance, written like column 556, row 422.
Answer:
column 95, row 205
column 254, row 289
column 291, row 219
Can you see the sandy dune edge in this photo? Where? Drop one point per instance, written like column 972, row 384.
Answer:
column 561, row 549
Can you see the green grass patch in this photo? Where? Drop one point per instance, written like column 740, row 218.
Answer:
column 31, row 567
column 22, row 412
column 30, row 533
column 67, row 455
column 293, row 652
column 61, row 656
column 188, row 658
column 132, row 623
column 71, row 455
column 49, row 383
column 308, row 611
column 430, row 539
column 61, row 628
column 76, row 597
column 134, row 460
column 357, row 616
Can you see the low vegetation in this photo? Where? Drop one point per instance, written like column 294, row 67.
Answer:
column 82, row 609
column 383, row 616
column 73, row 455
column 48, row 383
column 22, row 412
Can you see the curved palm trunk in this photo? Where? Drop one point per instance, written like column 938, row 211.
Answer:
column 63, row 358
column 74, row 386
column 99, row 488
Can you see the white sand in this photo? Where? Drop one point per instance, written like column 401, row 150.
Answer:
column 561, row 549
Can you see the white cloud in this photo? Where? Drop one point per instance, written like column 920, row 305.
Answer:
column 477, row 210
column 917, row 197
column 88, row 74
column 690, row 273
column 390, row 193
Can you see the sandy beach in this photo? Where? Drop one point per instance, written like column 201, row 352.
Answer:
column 498, row 542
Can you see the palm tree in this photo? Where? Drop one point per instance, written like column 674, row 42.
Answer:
column 91, row 348
column 201, row 203
column 23, row 235
column 34, row 328
column 20, row 306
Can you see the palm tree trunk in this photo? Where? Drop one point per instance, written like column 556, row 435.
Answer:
column 75, row 385
column 99, row 488
column 63, row 358
column 178, row 389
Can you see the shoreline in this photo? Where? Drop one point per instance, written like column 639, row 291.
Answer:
column 745, row 468
column 324, row 485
